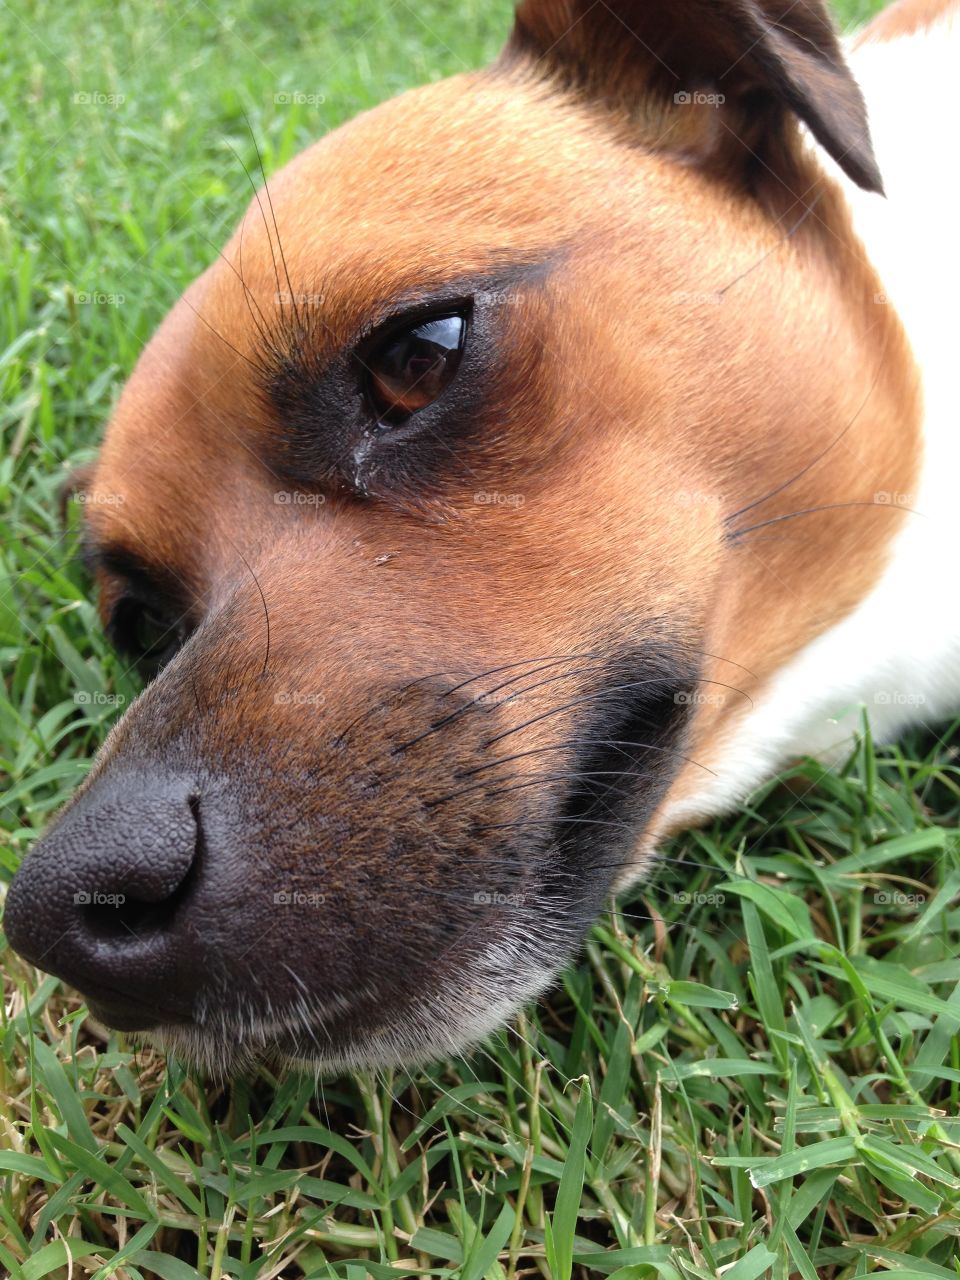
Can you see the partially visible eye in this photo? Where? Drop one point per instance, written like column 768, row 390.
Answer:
column 413, row 366
column 150, row 637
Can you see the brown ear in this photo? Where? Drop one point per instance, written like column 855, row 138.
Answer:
column 749, row 61
column 76, row 482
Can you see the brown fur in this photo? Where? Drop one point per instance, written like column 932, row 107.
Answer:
column 626, row 481
column 692, row 327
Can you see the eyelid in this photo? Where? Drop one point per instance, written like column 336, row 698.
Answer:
column 383, row 328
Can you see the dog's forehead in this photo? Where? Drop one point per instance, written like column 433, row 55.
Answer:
column 442, row 184
column 474, row 153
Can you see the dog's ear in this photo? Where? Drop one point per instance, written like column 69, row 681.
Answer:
column 670, row 62
column 76, row 482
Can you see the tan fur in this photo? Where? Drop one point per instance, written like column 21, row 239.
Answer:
column 906, row 18
column 688, row 331
column 626, row 480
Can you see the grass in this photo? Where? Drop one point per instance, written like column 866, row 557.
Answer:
column 754, row 1069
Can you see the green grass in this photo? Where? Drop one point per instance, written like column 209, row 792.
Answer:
column 753, row 1071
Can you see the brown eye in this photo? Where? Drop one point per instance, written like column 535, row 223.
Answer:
column 414, row 366
column 150, row 638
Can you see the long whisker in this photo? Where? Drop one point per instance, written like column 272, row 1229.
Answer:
column 812, row 511
column 573, row 775
column 589, row 697
column 256, row 196
column 254, row 364
column 276, row 228
column 582, row 742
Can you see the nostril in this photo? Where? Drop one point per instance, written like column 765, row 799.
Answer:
column 116, row 869
column 102, row 900
column 119, row 915
column 147, row 897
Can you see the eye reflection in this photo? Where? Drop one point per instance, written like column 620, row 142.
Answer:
column 414, row 366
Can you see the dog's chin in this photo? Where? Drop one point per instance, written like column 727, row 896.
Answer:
column 443, row 1025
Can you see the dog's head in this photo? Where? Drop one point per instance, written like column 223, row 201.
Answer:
column 421, row 508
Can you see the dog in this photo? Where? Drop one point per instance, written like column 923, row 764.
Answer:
column 551, row 455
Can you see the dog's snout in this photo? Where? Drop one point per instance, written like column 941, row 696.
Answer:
column 99, row 900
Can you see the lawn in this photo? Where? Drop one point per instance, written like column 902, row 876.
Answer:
column 754, row 1069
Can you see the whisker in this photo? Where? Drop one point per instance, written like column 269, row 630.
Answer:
column 256, row 196
column 823, row 453
column 587, row 742
column 254, row 364
column 569, row 706
column 533, row 782
column 807, row 211
column 511, row 666
column 480, row 699
column 276, row 228
column 810, row 511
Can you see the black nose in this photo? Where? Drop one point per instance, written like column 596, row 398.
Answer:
column 97, row 901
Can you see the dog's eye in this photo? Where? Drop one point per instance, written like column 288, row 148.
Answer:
column 412, row 366
column 147, row 635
